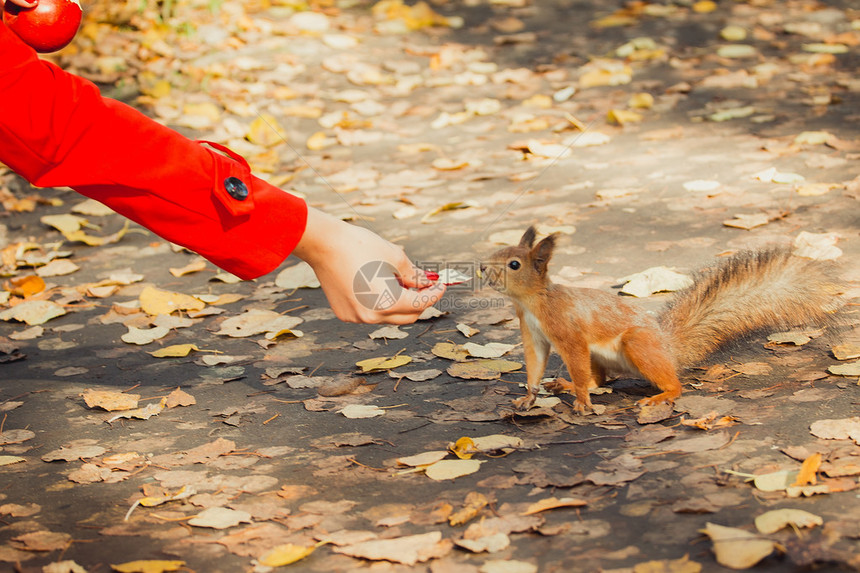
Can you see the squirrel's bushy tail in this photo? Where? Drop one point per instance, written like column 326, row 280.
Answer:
column 748, row 292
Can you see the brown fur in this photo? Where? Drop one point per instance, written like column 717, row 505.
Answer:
column 594, row 331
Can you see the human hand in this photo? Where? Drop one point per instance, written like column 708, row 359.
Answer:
column 363, row 275
column 21, row 3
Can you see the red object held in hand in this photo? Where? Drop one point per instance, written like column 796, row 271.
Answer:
column 48, row 26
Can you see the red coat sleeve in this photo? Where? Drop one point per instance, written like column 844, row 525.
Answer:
column 57, row 130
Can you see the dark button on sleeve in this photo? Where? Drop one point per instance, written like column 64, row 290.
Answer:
column 236, row 188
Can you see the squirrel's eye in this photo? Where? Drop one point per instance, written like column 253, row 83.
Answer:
column 514, row 265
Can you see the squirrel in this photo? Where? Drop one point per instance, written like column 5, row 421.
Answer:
column 595, row 331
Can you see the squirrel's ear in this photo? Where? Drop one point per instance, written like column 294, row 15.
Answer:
column 528, row 237
column 542, row 253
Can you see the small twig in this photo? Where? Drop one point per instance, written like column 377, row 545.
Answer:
column 270, row 419
column 730, row 442
column 358, row 463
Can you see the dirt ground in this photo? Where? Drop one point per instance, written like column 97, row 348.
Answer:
column 648, row 135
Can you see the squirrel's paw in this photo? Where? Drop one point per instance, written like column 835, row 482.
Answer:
column 559, row 386
column 582, row 408
column 661, row 398
column 525, row 402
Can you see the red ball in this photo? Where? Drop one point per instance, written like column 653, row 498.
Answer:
column 47, row 27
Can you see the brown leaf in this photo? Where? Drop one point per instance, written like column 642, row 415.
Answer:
column 43, row 541
column 408, row 550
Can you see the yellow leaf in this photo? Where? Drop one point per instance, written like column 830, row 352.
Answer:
column 65, row 224
column 808, row 470
column 383, row 363
column 704, row 6
column 737, row 548
column 286, row 554
column 622, row 116
column 25, row 286
column 265, row 131
column 450, row 351
column 158, row 90
column 155, row 301
column 553, row 503
column 489, row 369
column 175, row 351
column 319, row 141
column 110, row 400
column 474, row 503
column 206, row 110
column 642, row 100
column 464, row 448
column 94, row 241
column 194, row 267
column 148, row 566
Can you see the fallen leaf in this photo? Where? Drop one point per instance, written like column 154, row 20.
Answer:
column 256, row 321
column 73, row 453
column 808, row 471
column 297, row 276
column 489, row 369
column 357, row 411
column 838, row 429
column 489, row 350
column 467, row 330
column 383, row 363
column 852, row 369
column 474, row 503
column 407, row 550
column 25, row 286
column 818, row 246
column 747, row 221
column 33, row 312
column 179, row 397
column 774, row 520
column 43, row 541
column 194, row 267
column 175, row 351
column 452, row 469
column 110, row 400
column 553, row 503
column 654, row 280
column 15, row 436
column 148, row 566
column 796, row 338
column 492, row 543
column 450, row 351
column 682, row 565
column 390, row 332
column 142, row 336
column 417, row 375
column 155, row 301
column 423, row 459
column 144, row 413
column 220, row 518
column 736, row 548
column 286, row 554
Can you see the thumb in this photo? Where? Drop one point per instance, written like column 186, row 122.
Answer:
column 411, row 276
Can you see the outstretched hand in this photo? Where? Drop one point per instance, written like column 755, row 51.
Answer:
column 365, row 278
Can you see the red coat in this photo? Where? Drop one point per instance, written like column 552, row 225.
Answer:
column 57, row 130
